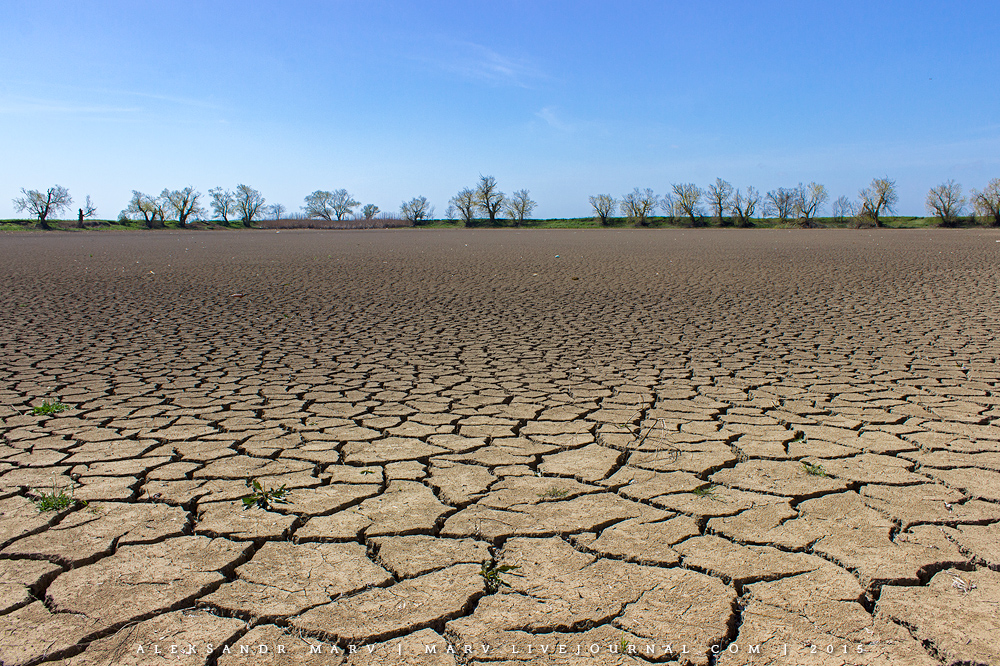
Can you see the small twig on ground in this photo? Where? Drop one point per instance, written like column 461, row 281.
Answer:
column 960, row 584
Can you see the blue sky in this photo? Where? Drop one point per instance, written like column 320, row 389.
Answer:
column 391, row 100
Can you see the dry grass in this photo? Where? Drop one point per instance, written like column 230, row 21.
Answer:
column 376, row 223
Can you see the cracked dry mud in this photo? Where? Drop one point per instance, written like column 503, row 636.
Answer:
column 732, row 447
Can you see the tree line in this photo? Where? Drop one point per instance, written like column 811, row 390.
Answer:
column 487, row 199
column 719, row 203
column 730, row 206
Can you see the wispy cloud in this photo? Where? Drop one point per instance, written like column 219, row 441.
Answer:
column 183, row 101
column 79, row 99
column 478, row 63
column 551, row 117
column 557, row 119
column 26, row 106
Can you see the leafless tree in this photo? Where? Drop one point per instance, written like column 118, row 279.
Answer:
column 780, row 203
column 519, row 206
column 878, row 199
column 327, row 205
column 160, row 206
column 465, row 203
column 719, row 196
column 275, row 211
column 369, row 211
column 223, row 203
column 145, row 206
column 416, row 210
column 668, row 204
column 249, row 203
column 89, row 209
column 319, row 204
column 450, row 211
column 808, row 200
column 343, row 204
column 842, row 208
column 946, row 202
column 604, row 207
column 489, row 199
column 638, row 205
column 182, row 203
column 55, row 199
column 987, row 202
column 687, row 201
column 744, row 206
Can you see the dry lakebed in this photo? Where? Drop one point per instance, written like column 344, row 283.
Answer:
column 500, row 447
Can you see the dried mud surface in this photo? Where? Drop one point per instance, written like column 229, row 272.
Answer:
column 551, row 447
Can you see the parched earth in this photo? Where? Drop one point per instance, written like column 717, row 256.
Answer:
column 501, row 447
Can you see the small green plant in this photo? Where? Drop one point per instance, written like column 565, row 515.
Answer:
column 623, row 643
column 707, row 490
column 799, row 437
column 815, row 470
column 262, row 497
column 48, row 408
column 554, row 493
column 367, row 471
column 54, row 501
column 57, row 499
column 491, row 574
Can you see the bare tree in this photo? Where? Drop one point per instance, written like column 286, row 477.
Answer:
column 89, row 209
column 668, row 204
column 780, row 203
column 145, row 206
column 342, row 203
column 450, row 211
column 489, row 198
column 808, row 200
column 249, row 203
column 946, row 202
column 369, row 211
column 223, row 203
column 987, row 202
column 638, row 205
column 55, row 199
column 519, row 206
column 160, row 206
column 275, row 211
column 744, row 206
column 182, row 203
column 687, row 201
column 416, row 210
column 719, row 197
column 604, row 207
column 327, row 205
column 319, row 204
column 842, row 208
column 465, row 203
column 877, row 199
